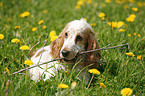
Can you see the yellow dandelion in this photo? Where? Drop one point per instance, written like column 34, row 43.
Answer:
column 89, row 1
column 132, row 16
column 44, row 27
column 103, row 4
column 15, row 40
column 94, row 24
column 24, row 47
column 129, row 19
column 7, row 26
column 102, row 85
column 9, row 19
column 24, row 14
column 73, row 84
column 45, row 11
column 67, row 73
column 126, row 92
column 125, row 6
column 102, row 18
column 1, row 4
column 139, row 57
column 52, row 33
column 121, row 30
column 139, row 4
column 28, row 62
column 94, row 71
column 129, row 35
column 1, row 36
column 63, row 86
column 8, row 71
column 101, row 15
column 91, row 24
column 53, row 38
column 95, row 4
column 40, row 22
column 17, row 27
column 135, row 9
column 138, row 35
column 134, row 33
column 130, row 54
column 34, row 29
column 77, row 7
column 120, row 24
column 107, row 1
column 131, row 1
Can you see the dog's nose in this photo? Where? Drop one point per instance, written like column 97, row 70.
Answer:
column 65, row 53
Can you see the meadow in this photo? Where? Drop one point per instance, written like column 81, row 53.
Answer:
column 115, row 22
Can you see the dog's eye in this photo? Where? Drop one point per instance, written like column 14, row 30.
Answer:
column 79, row 38
column 66, row 35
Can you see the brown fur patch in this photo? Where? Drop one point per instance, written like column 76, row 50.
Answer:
column 93, row 56
column 40, row 52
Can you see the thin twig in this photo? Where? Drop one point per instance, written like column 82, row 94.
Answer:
column 34, row 66
column 105, row 48
column 84, row 52
column 90, row 81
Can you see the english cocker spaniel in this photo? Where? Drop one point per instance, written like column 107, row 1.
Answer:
column 77, row 36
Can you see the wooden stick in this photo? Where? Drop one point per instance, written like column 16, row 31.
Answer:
column 84, row 52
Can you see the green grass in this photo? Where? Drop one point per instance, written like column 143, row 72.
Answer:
column 117, row 72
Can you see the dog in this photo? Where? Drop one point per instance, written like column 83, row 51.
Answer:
column 77, row 36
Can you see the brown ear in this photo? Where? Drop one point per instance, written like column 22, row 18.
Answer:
column 93, row 57
column 57, row 44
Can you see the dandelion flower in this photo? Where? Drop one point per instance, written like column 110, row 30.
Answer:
column 52, row 33
column 129, row 35
column 132, row 16
column 102, row 85
column 28, row 62
column 138, row 35
column 101, row 15
column 1, row 36
column 17, row 27
column 8, row 71
column 44, row 27
column 24, row 14
column 130, row 54
column 24, row 47
column 34, row 29
column 73, row 84
column 1, row 4
column 135, row 9
column 126, row 92
column 121, row 30
column 63, row 86
column 40, row 22
column 139, row 57
column 120, row 24
column 53, row 38
column 15, row 40
column 94, row 71
column 134, row 33
column 7, row 26
column 45, row 11
column 107, row 1
column 129, row 19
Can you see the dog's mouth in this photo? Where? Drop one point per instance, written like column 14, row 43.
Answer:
column 72, row 60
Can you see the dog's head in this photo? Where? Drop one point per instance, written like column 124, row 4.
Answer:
column 77, row 36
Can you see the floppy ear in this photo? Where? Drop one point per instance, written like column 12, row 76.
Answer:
column 57, row 44
column 93, row 57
